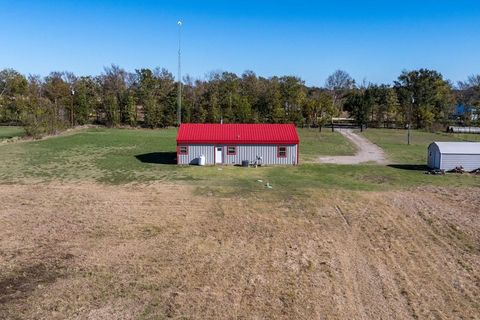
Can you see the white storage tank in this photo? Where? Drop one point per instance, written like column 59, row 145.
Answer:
column 449, row 155
column 453, row 129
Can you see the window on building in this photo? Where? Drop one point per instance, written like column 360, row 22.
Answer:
column 183, row 150
column 231, row 150
column 282, row 152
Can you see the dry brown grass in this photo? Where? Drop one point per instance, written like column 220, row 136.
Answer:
column 89, row 251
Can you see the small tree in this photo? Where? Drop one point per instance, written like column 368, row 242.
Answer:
column 431, row 95
column 13, row 90
column 360, row 105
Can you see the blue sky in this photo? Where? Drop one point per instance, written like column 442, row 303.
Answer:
column 372, row 40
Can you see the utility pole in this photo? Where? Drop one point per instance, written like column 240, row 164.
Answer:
column 72, row 91
column 179, row 98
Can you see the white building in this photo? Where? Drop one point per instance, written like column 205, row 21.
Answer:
column 449, row 155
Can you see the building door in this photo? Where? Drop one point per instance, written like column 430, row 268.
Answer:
column 432, row 160
column 218, row 155
column 437, row 160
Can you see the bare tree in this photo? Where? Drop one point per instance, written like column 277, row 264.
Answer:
column 339, row 83
column 469, row 96
column 473, row 81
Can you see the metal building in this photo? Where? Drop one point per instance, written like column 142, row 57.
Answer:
column 269, row 144
column 449, row 155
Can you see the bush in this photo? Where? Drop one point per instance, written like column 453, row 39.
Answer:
column 39, row 118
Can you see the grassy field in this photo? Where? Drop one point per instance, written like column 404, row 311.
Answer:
column 326, row 143
column 11, row 132
column 394, row 142
column 118, row 156
column 102, row 224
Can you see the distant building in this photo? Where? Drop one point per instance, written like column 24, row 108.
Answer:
column 271, row 144
column 462, row 111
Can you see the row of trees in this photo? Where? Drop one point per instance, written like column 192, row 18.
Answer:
column 149, row 98
column 421, row 98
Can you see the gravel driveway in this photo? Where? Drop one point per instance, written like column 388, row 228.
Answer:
column 366, row 151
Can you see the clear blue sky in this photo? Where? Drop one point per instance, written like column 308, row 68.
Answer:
column 372, row 40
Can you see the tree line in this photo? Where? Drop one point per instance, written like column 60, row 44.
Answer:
column 148, row 98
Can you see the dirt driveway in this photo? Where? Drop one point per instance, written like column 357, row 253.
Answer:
column 367, row 151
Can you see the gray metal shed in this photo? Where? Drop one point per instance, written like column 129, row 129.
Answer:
column 449, row 155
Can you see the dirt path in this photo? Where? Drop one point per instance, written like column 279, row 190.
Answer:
column 67, row 132
column 367, row 151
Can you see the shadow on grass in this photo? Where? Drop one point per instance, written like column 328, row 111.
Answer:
column 158, row 158
column 410, row 167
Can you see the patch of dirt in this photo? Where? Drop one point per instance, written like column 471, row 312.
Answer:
column 90, row 251
column 366, row 151
column 21, row 283
column 66, row 132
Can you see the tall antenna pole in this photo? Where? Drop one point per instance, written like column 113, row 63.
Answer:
column 179, row 98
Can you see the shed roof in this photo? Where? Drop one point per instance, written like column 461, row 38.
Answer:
column 196, row 133
column 458, row 147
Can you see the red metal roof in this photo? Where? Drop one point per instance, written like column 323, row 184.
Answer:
column 196, row 133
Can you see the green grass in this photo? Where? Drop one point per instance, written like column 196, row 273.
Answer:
column 394, row 142
column 297, row 180
column 326, row 143
column 118, row 156
column 105, row 155
column 11, row 132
